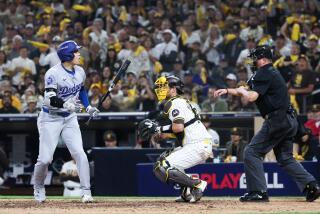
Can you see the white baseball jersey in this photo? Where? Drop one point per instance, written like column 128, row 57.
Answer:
column 71, row 188
column 67, row 84
column 181, row 110
column 196, row 142
column 70, row 167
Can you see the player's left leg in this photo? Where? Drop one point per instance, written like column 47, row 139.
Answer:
column 71, row 135
column 179, row 160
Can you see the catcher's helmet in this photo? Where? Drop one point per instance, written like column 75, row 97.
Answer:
column 163, row 83
column 67, row 49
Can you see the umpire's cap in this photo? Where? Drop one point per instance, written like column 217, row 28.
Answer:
column 67, row 49
column 261, row 51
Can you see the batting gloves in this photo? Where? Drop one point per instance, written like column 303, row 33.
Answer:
column 93, row 111
column 71, row 106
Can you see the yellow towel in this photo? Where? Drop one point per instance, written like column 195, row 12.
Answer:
column 295, row 34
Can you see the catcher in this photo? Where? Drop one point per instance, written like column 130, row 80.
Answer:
column 194, row 142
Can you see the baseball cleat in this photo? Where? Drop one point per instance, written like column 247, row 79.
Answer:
column 185, row 195
column 255, row 197
column 197, row 192
column 87, row 199
column 312, row 191
column 39, row 194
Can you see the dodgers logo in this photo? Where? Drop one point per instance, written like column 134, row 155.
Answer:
column 66, row 91
column 49, row 80
column 175, row 112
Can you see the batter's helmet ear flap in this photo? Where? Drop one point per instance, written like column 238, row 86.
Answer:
column 66, row 50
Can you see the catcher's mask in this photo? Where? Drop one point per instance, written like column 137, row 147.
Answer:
column 164, row 83
column 261, row 51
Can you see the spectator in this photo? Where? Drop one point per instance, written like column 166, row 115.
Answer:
column 313, row 52
column 21, row 66
column 129, row 100
column 233, row 101
column 214, row 104
column 253, row 30
column 32, row 105
column 110, row 139
column 281, row 48
column 7, row 105
column 70, row 178
column 301, row 84
column 210, row 47
column 286, row 64
column 243, row 56
column 17, row 44
column 232, row 45
column 95, row 94
column 215, row 136
column 50, row 58
column 8, row 91
column 5, row 64
column 146, row 97
column 235, row 147
column 166, row 52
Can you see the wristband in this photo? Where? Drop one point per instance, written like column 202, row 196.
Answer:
column 166, row 129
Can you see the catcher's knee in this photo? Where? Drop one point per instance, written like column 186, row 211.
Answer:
column 171, row 175
column 160, row 170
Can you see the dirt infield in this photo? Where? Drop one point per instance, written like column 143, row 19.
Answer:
column 156, row 206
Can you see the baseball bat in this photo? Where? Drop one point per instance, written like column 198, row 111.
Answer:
column 123, row 68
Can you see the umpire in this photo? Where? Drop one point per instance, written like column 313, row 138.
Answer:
column 268, row 90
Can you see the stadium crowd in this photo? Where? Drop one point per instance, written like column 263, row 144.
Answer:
column 204, row 42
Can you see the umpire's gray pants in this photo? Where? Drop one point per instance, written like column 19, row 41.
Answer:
column 276, row 133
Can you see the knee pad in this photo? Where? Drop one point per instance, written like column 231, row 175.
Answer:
column 167, row 174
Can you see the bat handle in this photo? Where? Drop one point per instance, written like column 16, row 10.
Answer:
column 88, row 121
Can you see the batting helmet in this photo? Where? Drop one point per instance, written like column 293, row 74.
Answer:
column 67, row 49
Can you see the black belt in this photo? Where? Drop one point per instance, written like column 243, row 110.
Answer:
column 290, row 110
column 62, row 114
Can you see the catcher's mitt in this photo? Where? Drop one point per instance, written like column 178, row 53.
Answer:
column 146, row 129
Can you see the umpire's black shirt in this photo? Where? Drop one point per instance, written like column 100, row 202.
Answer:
column 272, row 90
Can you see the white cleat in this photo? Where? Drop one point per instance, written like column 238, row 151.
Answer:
column 87, row 199
column 197, row 192
column 39, row 194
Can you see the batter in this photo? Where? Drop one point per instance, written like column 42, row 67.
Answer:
column 64, row 90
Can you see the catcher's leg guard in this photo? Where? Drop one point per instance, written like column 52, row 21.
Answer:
column 167, row 174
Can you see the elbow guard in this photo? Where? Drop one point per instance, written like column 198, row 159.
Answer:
column 56, row 102
column 51, row 98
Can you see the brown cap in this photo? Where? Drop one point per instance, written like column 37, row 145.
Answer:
column 235, row 131
column 109, row 135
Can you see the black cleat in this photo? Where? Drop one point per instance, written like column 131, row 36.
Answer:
column 255, row 197
column 312, row 191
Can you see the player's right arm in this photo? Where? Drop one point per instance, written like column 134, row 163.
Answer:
column 50, row 94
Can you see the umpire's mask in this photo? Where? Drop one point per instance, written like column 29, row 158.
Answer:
column 261, row 51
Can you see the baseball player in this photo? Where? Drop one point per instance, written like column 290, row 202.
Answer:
column 195, row 143
column 70, row 178
column 64, row 89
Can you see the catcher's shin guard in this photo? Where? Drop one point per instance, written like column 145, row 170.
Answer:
column 167, row 174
